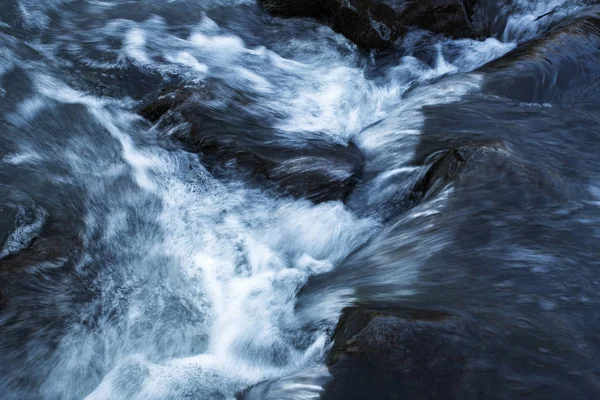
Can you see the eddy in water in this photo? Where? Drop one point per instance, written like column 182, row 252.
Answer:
column 277, row 199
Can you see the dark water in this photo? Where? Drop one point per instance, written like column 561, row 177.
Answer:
column 129, row 271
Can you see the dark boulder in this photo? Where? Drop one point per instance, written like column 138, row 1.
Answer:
column 296, row 8
column 437, row 163
column 446, row 165
column 366, row 23
column 446, row 17
column 233, row 142
column 407, row 354
column 377, row 24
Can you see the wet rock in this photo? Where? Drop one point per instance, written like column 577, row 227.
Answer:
column 407, row 354
column 377, row 24
column 437, row 163
column 297, row 8
column 444, row 169
column 233, row 142
column 446, row 17
column 366, row 23
column 446, row 165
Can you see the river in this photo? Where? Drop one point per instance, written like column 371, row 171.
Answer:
column 131, row 270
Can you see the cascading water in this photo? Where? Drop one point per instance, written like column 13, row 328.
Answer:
column 129, row 271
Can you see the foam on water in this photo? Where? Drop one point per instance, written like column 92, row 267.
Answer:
column 240, row 257
column 325, row 93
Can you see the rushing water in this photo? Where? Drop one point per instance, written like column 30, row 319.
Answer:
column 133, row 273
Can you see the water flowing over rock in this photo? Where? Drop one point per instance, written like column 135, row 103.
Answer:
column 306, row 165
column 446, row 165
column 306, row 384
column 559, row 67
column 378, row 352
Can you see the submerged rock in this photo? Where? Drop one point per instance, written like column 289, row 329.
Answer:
column 442, row 171
column 305, row 384
column 407, row 354
column 233, row 142
column 377, row 24
column 437, row 163
column 21, row 221
column 446, row 165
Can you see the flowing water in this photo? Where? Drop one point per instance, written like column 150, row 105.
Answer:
column 131, row 272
